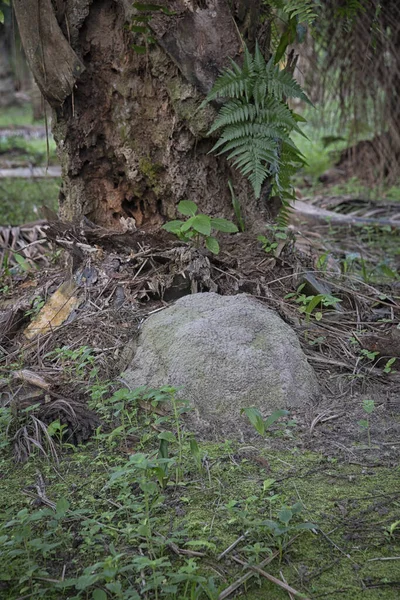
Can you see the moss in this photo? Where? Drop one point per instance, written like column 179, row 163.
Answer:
column 151, row 173
column 352, row 507
column 186, row 102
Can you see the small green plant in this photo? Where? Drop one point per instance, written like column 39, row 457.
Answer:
column 309, row 303
column 236, row 207
column 37, row 306
column 371, row 355
column 76, row 362
column 368, row 407
column 388, row 366
column 392, row 528
column 277, row 234
column 260, row 424
column 198, row 227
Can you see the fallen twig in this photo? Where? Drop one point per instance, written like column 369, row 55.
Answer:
column 278, row 582
column 239, row 582
column 232, row 546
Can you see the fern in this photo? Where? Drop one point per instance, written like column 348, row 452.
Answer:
column 303, row 10
column 256, row 123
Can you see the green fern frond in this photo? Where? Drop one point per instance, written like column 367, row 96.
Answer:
column 234, row 111
column 281, row 83
column 304, row 10
column 256, row 122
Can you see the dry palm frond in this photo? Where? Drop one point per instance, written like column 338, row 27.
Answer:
column 30, row 436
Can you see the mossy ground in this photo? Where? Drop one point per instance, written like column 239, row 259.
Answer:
column 238, row 488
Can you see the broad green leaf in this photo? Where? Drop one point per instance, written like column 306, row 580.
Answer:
column 255, row 418
column 167, row 435
column 202, row 224
column 139, row 28
column 139, row 49
column 173, row 226
column 23, row 263
column 187, row 208
column 99, row 595
column 1, row 17
column 223, row 225
column 274, row 417
column 212, row 245
column 314, row 302
column 268, row 483
column 188, row 224
column 62, row 506
column 284, row 515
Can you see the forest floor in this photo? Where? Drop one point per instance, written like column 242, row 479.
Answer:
column 104, row 493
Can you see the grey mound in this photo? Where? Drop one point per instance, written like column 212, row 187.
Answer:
column 227, row 353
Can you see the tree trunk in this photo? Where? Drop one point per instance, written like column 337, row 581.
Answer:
column 131, row 138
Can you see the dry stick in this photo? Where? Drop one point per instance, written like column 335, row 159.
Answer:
column 285, row 586
column 232, row 546
column 234, row 586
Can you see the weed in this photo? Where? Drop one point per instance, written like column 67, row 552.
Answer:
column 236, row 207
column 278, row 235
column 388, row 366
column 198, row 227
column 260, row 424
column 369, row 407
column 37, row 305
column 309, row 303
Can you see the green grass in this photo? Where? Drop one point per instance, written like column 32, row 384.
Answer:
column 22, row 150
column 21, row 199
column 18, row 115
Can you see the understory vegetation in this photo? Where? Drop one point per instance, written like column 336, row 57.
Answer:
column 144, row 510
column 106, row 492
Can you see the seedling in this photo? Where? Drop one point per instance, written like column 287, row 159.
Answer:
column 260, row 424
column 369, row 407
column 388, row 367
column 309, row 303
column 198, row 227
column 277, row 235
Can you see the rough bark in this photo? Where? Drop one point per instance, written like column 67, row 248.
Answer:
column 131, row 139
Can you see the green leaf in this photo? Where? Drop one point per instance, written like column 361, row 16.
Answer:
column 139, row 49
column 173, row 226
column 255, row 418
column 167, row 435
column 139, row 28
column 188, row 224
column 369, row 406
column 212, row 245
column 1, row 17
column 99, row 594
column 274, row 417
column 202, row 224
column 62, row 506
column 23, row 263
column 187, row 208
column 223, row 225
column 285, row 515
